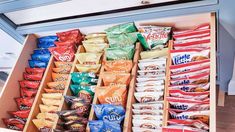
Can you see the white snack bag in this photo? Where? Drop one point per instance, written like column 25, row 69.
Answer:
column 150, row 83
column 148, row 106
column 147, row 112
column 145, row 79
column 148, row 117
column 150, row 60
column 150, row 88
column 149, row 124
column 159, row 72
column 144, row 97
column 152, row 65
column 138, row 129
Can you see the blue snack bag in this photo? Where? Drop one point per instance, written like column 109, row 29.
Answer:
column 47, row 39
column 41, row 57
column 37, row 64
column 46, row 45
column 104, row 126
column 108, row 112
column 41, row 51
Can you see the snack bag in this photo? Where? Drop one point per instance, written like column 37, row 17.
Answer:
column 120, row 53
column 47, row 116
column 147, row 112
column 160, row 72
column 189, row 55
column 14, row 123
column 42, row 123
column 33, row 77
column 59, row 64
column 84, row 92
column 52, row 90
column 153, row 37
column 41, row 51
column 191, row 66
column 41, row 57
column 60, row 85
column 203, row 26
column 152, row 65
column 145, row 79
column 144, row 97
column 191, row 87
column 46, row 45
column 84, row 81
column 203, row 42
column 110, row 78
column 78, row 126
column 151, row 60
column 34, row 70
column 77, row 103
column 181, row 105
column 29, row 84
column 83, row 74
column 192, row 34
column 121, row 28
column 21, row 114
column 192, row 123
column 154, row 53
column 118, row 66
column 193, row 115
column 113, row 94
column 148, row 106
column 95, row 48
column 150, row 83
column 189, row 95
column 71, row 35
column 139, row 129
column 88, row 68
column 178, row 128
column 96, row 35
column 24, row 103
column 65, row 70
column 150, row 89
column 88, row 58
column 56, row 96
column 25, row 92
column 108, row 112
column 64, row 43
column 51, row 102
column 150, row 124
column 63, row 53
column 49, row 109
column 67, row 113
column 47, row 39
column 73, row 118
column 148, row 117
column 104, row 126
column 122, row 40
column 37, row 64
column 59, row 77
column 198, row 79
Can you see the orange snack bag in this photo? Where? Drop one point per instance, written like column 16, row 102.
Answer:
column 63, row 64
column 110, row 78
column 59, row 77
column 115, row 94
column 60, row 85
column 118, row 66
column 52, row 90
column 62, row 70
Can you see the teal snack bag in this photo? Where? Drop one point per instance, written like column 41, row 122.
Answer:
column 83, row 74
column 120, row 53
column 122, row 28
column 121, row 40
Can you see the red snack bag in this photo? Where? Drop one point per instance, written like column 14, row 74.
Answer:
column 24, row 103
column 191, row 87
column 191, row 34
column 64, row 43
column 25, row 92
column 72, row 35
column 189, row 95
column 192, row 123
column 63, row 53
column 178, row 128
column 33, row 77
column 14, row 123
column 34, row 70
column 191, row 66
column 52, row 90
column 203, row 26
column 22, row 114
column 29, row 84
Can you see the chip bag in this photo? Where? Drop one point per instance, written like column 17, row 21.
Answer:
column 84, row 81
column 150, row 124
column 51, row 102
column 77, row 103
column 154, row 53
column 59, row 64
column 84, row 92
column 25, row 92
column 37, row 64
column 113, row 94
column 52, row 90
column 71, row 35
column 21, row 114
column 97, row 40
column 41, row 51
column 56, row 96
column 95, row 48
column 120, row 53
column 180, row 128
column 33, row 77
column 29, row 84
column 24, row 103
column 193, row 123
column 49, row 109
column 197, row 79
column 60, row 85
column 88, row 68
column 101, row 126
column 147, row 112
column 59, row 77
column 47, row 116
column 152, row 65
column 96, row 35
column 67, row 113
column 42, row 123
column 144, row 97
column 34, row 70
column 46, row 44
column 110, row 78
column 118, row 66
column 47, row 39
column 108, row 112
column 14, row 123
column 121, row 28
column 88, row 58
column 63, row 53
column 64, row 43
column 65, row 70
column 122, row 40
column 150, row 89
column 191, row 87
column 41, row 57
column 148, row 117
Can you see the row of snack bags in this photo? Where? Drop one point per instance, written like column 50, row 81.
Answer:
column 189, row 80
column 149, row 108
column 63, row 53
column 29, row 86
column 112, row 94
column 83, row 84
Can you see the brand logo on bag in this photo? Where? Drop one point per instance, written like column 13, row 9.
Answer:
column 65, row 57
column 181, row 59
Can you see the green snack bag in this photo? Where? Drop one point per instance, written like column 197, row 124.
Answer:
column 153, row 37
column 85, row 81
column 84, row 92
column 121, row 40
column 120, row 53
column 122, row 28
column 83, row 74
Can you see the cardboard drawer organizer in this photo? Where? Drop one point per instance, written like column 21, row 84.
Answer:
column 188, row 22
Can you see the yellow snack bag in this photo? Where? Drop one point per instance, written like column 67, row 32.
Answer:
column 88, row 68
column 59, row 77
column 110, row 78
column 47, row 116
column 57, row 96
column 42, row 123
column 59, row 85
column 96, row 35
column 59, row 64
column 94, row 40
column 51, row 102
column 45, row 108
column 154, row 53
column 88, row 58
column 95, row 48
